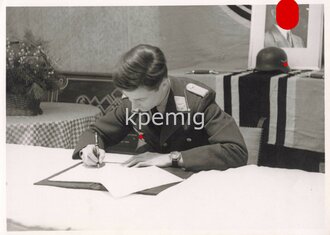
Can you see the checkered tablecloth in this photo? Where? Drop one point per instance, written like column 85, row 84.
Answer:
column 59, row 126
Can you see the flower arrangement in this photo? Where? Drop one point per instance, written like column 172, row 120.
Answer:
column 30, row 73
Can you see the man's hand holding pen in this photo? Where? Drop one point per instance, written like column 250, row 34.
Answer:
column 91, row 155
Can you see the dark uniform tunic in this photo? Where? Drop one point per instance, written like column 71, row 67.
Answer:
column 218, row 145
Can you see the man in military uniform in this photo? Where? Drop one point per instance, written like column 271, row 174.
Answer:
column 197, row 135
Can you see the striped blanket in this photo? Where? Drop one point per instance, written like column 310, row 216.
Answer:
column 292, row 103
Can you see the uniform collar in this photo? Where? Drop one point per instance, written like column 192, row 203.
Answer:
column 283, row 32
column 278, row 37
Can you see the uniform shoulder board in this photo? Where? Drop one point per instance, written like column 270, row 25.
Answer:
column 197, row 90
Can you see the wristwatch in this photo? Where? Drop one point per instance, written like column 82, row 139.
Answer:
column 175, row 158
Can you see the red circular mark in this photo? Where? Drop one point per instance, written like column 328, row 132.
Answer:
column 141, row 136
column 285, row 63
column 287, row 14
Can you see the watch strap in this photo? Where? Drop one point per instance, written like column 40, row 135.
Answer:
column 175, row 157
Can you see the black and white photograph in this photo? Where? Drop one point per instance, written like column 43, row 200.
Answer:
column 164, row 119
column 303, row 43
column 279, row 37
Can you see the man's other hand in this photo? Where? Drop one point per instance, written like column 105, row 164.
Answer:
column 149, row 159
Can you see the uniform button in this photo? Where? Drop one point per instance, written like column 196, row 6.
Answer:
column 165, row 145
column 188, row 139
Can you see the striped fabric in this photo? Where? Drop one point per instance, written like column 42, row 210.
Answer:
column 297, row 108
column 293, row 104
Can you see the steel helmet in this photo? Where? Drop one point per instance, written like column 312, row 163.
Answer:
column 272, row 59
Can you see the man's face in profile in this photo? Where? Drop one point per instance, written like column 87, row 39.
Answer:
column 144, row 99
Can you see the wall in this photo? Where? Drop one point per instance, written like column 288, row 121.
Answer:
column 90, row 39
column 203, row 37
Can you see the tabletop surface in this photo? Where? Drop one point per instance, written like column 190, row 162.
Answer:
column 244, row 198
column 56, row 112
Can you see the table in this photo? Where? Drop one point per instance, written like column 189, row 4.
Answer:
column 245, row 198
column 59, row 126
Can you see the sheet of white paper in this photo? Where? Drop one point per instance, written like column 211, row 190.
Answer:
column 120, row 180
column 116, row 158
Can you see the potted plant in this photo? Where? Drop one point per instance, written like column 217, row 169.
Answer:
column 30, row 74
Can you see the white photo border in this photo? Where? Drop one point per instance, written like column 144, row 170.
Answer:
column 298, row 58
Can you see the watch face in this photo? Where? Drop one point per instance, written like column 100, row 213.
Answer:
column 175, row 156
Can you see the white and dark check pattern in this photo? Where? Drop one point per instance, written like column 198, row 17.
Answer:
column 54, row 134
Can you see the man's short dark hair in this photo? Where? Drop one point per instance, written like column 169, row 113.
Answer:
column 143, row 65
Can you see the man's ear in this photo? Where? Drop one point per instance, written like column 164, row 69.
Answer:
column 165, row 83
